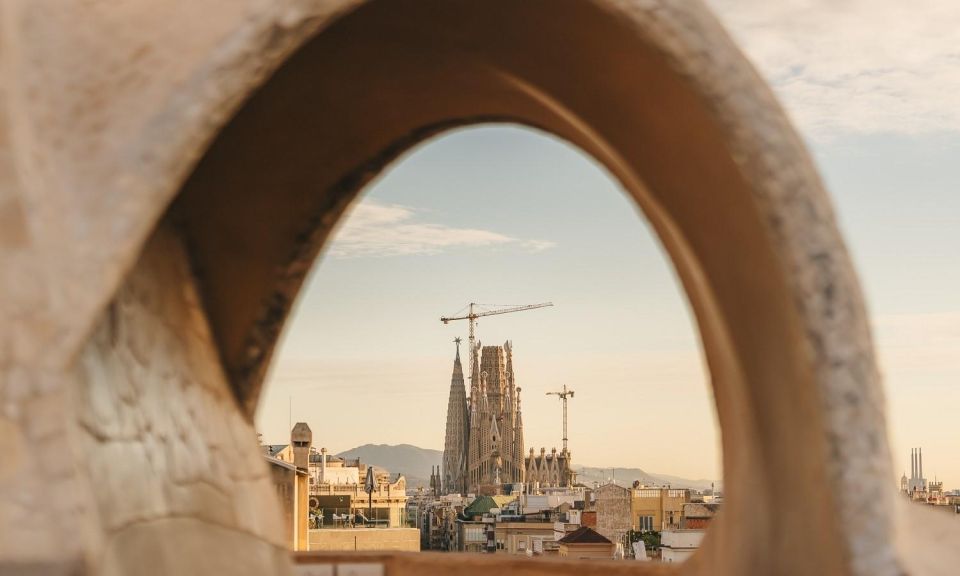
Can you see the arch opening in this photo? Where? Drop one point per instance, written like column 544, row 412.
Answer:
column 523, row 216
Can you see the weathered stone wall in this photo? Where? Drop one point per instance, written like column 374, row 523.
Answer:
column 613, row 511
column 170, row 458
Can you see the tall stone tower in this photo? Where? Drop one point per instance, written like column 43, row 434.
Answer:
column 493, row 433
column 454, row 479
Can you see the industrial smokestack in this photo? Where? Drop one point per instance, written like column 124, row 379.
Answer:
column 913, row 463
column 920, row 454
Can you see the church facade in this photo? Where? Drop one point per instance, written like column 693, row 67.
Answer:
column 549, row 469
column 483, row 449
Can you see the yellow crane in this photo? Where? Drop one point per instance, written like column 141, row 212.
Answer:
column 563, row 394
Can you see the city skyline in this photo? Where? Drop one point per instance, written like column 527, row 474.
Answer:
column 402, row 224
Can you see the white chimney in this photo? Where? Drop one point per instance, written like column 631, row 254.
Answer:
column 323, row 465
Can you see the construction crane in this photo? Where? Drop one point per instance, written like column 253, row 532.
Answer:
column 564, row 394
column 473, row 315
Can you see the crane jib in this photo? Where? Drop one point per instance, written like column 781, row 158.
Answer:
column 474, row 315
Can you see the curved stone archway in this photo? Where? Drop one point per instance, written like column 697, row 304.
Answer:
column 168, row 291
column 733, row 198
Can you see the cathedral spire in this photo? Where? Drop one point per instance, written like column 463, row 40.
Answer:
column 455, row 444
column 472, row 404
column 457, row 367
column 518, row 439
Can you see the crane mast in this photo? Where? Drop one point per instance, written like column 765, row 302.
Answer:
column 563, row 395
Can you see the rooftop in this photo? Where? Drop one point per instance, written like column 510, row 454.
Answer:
column 584, row 535
column 284, row 464
column 483, row 504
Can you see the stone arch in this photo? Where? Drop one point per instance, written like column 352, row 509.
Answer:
column 330, row 93
column 695, row 139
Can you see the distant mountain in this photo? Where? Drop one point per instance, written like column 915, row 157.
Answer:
column 625, row 477
column 413, row 462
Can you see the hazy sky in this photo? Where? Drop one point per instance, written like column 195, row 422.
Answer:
column 504, row 215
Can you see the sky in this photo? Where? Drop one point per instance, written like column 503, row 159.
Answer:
column 505, row 215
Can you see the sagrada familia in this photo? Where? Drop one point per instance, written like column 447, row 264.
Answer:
column 483, row 450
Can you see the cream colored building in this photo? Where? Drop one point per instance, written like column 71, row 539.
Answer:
column 524, row 537
column 677, row 545
column 657, row 508
column 337, row 492
column 282, row 452
column 291, row 486
column 288, row 472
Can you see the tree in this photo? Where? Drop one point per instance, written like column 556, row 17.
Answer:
column 651, row 538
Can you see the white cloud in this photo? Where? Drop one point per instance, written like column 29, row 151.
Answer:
column 538, row 245
column 855, row 66
column 374, row 229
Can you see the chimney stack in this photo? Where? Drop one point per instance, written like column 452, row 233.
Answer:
column 920, row 455
column 301, row 437
column 323, row 465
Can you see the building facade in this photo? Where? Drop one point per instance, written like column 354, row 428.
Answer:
column 677, row 545
column 289, row 476
column 657, row 508
column 483, row 448
column 549, row 470
column 337, row 493
column 698, row 515
column 499, row 524
column 614, row 510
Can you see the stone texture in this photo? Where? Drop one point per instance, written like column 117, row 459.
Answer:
column 166, row 448
column 161, row 203
column 455, row 442
column 384, row 539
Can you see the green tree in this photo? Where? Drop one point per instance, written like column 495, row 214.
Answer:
column 651, row 538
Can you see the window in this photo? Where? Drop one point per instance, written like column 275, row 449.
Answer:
column 645, row 523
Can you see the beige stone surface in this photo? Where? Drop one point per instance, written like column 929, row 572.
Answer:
column 165, row 448
column 170, row 169
column 383, row 539
column 444, row 564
